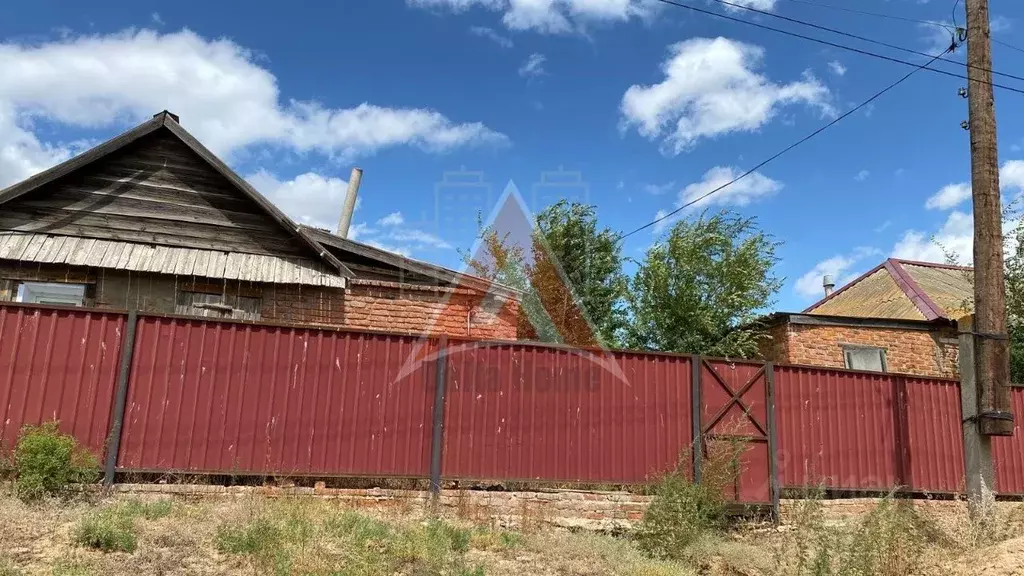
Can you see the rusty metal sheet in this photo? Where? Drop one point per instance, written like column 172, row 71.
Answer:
column 58, row 364
column 248, row 399
column 1008, row 452
column 524, row 412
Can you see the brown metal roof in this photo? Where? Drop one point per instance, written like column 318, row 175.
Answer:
column 902, row 290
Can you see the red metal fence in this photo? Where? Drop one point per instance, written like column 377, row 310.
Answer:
column 235, row 398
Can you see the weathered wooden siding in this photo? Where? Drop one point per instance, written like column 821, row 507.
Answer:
column 156, row 191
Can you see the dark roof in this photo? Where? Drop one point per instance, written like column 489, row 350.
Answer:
column 855, row 321
column 902, row 290
column 166, row 120
column 446, row 276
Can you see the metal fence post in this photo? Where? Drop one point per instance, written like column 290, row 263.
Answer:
column 774, row 487
column 437, row 440
column 121, row 397
column 698, row 445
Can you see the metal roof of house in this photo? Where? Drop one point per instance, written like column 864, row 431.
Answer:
column 903, row 290
column 116, row 255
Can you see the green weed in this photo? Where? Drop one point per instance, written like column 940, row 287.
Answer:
column 47, row 462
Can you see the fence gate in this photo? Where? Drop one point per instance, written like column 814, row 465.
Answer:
column 734, row 429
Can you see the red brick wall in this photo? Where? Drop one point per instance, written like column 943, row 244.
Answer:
column 918, row 352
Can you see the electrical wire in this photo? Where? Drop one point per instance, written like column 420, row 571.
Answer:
column 786, row 149
column 953, row 37
column 839, row 46
column 1010, row 46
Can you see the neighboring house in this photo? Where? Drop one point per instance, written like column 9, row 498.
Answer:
column 898, row 317
column 153, row 221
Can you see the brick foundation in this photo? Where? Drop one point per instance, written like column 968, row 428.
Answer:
column 924, row 353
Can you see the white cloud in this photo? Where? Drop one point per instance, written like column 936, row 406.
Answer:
column 1011, row 175
column 948, row 196
column 839, row 267
column 712, row 87
column 837, row 68
column 393, row 219
column 155, row 17
column 663, row 221
column 862, row 175
column 491, row 34
column 222, row 92
column 755, row 4
column 1000, row 24
column 747, row 190
column 551, row 16
column 955, row 236
column 534, row 66
column 659, row 189
column 309, row 198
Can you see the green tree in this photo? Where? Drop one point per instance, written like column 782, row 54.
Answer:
column 701, row 288
column 1015, row 304
column 570, row 276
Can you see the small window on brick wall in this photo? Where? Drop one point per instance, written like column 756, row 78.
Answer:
column 217, row 305
column 868, row 358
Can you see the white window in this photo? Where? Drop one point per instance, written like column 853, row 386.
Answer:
column 217, row 306
column 868, row 358
column 51, row 293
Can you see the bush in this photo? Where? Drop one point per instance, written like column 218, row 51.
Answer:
column 109, row 530
column 46, row 462
column 679, row 515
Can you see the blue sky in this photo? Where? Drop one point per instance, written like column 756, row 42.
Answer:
column 627, row 104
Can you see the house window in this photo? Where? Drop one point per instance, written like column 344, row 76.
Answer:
column 51, row 293
column 868, row 358
column 217, row 305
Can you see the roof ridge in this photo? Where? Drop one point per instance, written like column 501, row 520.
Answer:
column 909, row 286
column 931, row 264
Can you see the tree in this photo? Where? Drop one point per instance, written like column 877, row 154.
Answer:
column 1015, row 304
column 570, row 276
column 700, row 290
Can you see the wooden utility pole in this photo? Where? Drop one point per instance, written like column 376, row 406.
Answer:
column 991, row 342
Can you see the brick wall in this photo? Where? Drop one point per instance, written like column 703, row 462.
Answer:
column 383, row 306
column 918, row 352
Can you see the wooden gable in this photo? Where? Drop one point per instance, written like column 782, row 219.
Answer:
column 156, row 190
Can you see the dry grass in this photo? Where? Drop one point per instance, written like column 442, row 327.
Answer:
column 253, row 535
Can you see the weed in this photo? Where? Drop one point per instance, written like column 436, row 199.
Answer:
column 107, row 530
column 8, row 568
column 148, row 510
column 358, row 528
column 680, row 513
column 71, row 567
column 46, row 462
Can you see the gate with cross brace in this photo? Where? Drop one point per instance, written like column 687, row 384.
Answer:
column 734, row 429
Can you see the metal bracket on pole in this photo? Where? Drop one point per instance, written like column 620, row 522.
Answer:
column 121, row 398
column 437, row 439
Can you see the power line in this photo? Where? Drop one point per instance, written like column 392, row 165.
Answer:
column 786, row 149
column 953, row 38
column 840, row 46
column 1010, row 46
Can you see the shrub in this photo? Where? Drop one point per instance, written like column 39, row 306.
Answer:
column 680, row 513
column 108, row 530
column 148, row 510
column 46, row 462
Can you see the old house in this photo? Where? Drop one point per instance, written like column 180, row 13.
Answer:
column 151, row 220
column 898, row 317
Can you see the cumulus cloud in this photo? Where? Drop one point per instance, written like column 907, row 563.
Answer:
column 309, row 198
column 225, row 96
column 534, row 66
column 765, row 5
column 393, row 219
column 840, row 267
column 948, row 196
column 862, row 176
column 956, row 236
column 752, row 188
column 551, row 16
column 394, row 234
column 837, row 68
column 712, row 87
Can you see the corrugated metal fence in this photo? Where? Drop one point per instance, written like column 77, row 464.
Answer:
column 237, row 398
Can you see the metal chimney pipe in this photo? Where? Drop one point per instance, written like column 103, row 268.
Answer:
column 829, row 283
column 350, row 202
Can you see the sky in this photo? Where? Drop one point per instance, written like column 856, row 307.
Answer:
column 634, row 106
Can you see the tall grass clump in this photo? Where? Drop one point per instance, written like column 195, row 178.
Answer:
column 47, row 462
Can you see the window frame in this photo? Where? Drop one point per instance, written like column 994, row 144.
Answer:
column 882, row 354
column 20, row 288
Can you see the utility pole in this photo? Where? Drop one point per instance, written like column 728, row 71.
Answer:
column 992, row 358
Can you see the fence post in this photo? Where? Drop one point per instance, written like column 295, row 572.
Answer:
column 121, row 397
column 774, row 488
column 698, row 444
column 437, row 440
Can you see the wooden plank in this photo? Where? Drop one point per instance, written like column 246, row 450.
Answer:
column 78, row 201
column 156, row 189
column 35, row 244
column 19, row 245
column 146, row 230
column 50, row 249
column 112, row 255
column 82, row 255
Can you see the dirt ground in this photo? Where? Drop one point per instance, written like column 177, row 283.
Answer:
column 40, row 539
